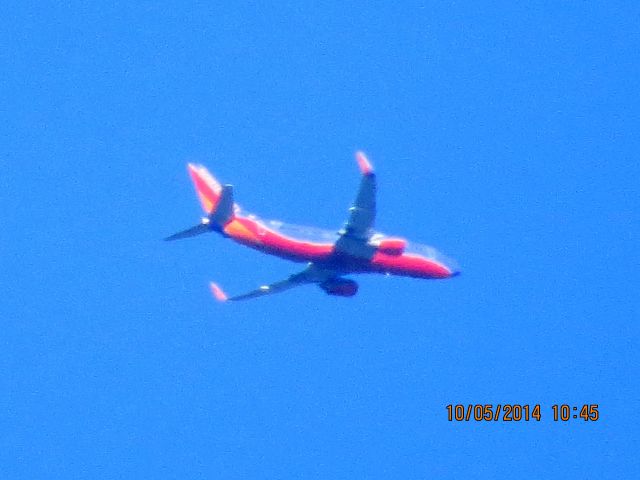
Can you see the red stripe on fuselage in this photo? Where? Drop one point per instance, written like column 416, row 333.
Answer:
column 410, row 265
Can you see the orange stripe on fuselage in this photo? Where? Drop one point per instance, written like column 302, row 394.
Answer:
column 254, row 234
column 241, row 232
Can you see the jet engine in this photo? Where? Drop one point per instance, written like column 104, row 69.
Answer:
column 342, row 287
column 390, row 246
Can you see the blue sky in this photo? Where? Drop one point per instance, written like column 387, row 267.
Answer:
column 505, row 135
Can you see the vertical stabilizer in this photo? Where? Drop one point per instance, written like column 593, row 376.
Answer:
column 216, row 201
column 207, row 187
column 223, row 212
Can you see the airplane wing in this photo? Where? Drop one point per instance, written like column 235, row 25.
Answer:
column 362, row 213
column 354, row 236
column 311, row 274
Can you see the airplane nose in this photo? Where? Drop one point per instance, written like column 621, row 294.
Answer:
column 452, row 266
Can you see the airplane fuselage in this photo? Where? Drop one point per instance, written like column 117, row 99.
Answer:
column 252, row 233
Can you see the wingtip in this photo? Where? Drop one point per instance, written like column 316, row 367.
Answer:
column 364, row 164
column 217, row 292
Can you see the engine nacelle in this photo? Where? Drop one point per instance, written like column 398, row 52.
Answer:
column 391, row 246
column 342, row 287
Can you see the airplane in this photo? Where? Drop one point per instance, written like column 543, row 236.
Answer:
column 356, row 248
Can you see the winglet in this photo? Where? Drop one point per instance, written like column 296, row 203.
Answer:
column 217, row 292
column 363, row 162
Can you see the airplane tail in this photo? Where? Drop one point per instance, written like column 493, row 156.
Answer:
column 216, row 201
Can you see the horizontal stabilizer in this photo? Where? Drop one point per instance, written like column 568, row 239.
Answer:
column 190, row 232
